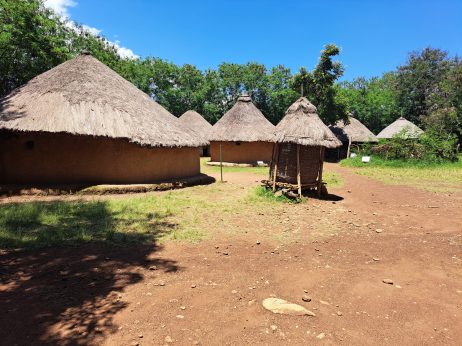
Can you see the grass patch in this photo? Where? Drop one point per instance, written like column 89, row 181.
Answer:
column 424, row 175
column 262, row 194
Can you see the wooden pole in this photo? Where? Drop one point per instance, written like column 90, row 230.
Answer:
column 275, row 169
column 272, row 161
column 299, row 180
column 348, row 150
column 321, row 163
column 221, row 166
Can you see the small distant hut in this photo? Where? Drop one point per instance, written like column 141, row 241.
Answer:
column 301, row 138
column 82, row 123
column 400, row 126
column 353, row 134
column 197, row 127
column 244, row 134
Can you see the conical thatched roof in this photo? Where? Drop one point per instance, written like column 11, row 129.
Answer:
column 196, row 124
column 302, row 125
column 412, row 131
column 354, row 131
column 242, row 123
column 85, row 97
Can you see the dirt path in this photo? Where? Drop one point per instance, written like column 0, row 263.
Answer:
column 210, row 293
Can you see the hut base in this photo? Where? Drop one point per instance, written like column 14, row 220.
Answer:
column 55, row 190
column 232, row 164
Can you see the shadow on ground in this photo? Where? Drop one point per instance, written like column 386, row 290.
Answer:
column 68, row 295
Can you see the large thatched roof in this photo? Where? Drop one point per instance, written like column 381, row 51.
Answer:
column 302, row 125
column 354, row 131
column 242, row 123
column 401, row 124
column 196, row 124
column 85, row 97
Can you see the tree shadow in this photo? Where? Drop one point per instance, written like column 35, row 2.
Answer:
column 67, row 287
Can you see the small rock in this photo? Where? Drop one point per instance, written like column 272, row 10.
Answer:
column 278, row 193
column 398, row 286
column 305, row 291
column 281, row 306
column 273, row 327
column 153, row 268
column 225, row 253
column 161, row 283
column 258, row 242
column 233, row 291
column 376, row 259
column 378, row 230
column 168, row 339
column 135, row 343
column 339, row 313
column 387, row 281
column 140, row 336
column 306, row 298
column 193, row 286
column 183, row 307
column 321, row 336
column 180, row 317
column 323, row 302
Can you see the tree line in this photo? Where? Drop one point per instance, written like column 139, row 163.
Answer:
column 426, row 90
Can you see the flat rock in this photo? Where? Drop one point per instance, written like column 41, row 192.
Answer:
column 388, row 281
column 281, row 306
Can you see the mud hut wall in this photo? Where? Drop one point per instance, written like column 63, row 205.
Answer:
column 241, row 152
column 61, row 158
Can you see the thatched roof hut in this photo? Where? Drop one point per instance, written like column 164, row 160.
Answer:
column 81, row 122
column 244, row 133
column 354, row 131
column 298, row 156
column 196, row 123
column 85, row 97
column 401, row 125
column 351, row 134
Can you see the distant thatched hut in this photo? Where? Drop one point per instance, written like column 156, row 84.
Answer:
column 81, row 122
column 301, row 138
column 352, row 135
column 245, row 135
column 198, row 127
column 403, row 126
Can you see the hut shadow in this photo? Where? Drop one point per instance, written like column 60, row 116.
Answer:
column 68, row 295
column 6, row 115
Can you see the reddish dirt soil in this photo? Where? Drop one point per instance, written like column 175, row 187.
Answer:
column 210, row 293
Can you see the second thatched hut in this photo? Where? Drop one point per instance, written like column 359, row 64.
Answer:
column 400, row 126
column 198, row 127
column 301, row 138
column 243, row 133
column 353, row 135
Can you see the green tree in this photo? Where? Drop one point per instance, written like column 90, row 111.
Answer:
column 319, row 85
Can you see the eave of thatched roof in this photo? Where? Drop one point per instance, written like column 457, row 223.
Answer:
column 400, row 125
column 85, row 97
column 242, row 123
column 302, row 125
column 354, row 131
column 194, row 123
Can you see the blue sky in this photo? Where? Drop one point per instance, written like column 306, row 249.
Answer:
column 375, row 36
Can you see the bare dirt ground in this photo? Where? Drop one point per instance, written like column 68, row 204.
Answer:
column 210, row 293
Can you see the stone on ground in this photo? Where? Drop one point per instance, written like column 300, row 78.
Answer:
column 281, row 306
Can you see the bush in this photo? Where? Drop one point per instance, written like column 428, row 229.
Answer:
column 430, row 146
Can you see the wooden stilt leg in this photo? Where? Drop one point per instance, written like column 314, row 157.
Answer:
column 321, row 163
column 299, row 181
column 275, row 168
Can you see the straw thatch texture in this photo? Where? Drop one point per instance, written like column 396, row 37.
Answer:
column 354, row 131
column 411, row 130
column 242, row 123
column 84, row 97
column 302, row 125
column 196, row 124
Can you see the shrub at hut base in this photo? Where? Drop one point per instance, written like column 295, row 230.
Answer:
column 429, row 147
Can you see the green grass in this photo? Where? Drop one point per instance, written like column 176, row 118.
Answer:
column 424, row 175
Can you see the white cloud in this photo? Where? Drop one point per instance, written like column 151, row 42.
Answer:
column 61, row 8
column 91, row 30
